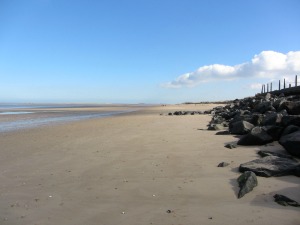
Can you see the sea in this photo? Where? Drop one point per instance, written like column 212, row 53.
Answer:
column 15, row 117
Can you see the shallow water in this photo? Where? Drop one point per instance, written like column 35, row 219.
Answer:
column 35, row 122
column 14, row 113
column 12, row 118
column 12, row 106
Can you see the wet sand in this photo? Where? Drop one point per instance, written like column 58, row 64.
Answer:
column 134, row 168
column 12, row 119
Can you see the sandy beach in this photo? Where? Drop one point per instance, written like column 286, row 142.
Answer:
column 137, row 168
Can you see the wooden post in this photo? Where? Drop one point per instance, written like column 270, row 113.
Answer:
column 271, row 87
column 296, row 81
column 284, row 83
column 279, row 86
column 267, row 88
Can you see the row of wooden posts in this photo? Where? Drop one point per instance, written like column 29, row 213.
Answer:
column 269, row 86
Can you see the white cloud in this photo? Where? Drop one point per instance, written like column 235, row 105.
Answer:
column 267, row 64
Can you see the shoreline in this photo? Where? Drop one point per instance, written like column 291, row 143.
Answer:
column 131, row 169
column 12, row 119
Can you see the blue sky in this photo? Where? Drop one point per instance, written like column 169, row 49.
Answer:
column 150, row 51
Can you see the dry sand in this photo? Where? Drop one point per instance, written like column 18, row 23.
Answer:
column 131, row 169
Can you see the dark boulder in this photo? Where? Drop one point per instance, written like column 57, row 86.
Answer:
column 271, row 166
column 285, row 201
column 273, row 131
column 292, row 107
column 257, row 136
column 290, row 120
column 272, row 118
column 216, row 127
column 277, row 103
column 247, row 181
column 223, row 164
column 217, row 119
column 240, row 127
column 264, row 107
column 290, row 129
column 225, row 132
column 230, row 146
column 178, row 113
column 291, row 143
column 297, row 171
column 257, row 119
column 208, row 111
column 269, row 153
column 229, row 115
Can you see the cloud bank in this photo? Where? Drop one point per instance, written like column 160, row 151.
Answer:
column 267, row 64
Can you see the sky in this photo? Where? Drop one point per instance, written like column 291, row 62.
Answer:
column 145, row 51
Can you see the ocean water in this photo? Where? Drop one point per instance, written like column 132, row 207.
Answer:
column 14, row 113
column 12, row 106
column 19, row 117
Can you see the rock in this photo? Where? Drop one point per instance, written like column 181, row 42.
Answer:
column 285, row 201
column 230, row 146
column 247, row 181
column 229, row 115
column 297, row 171
column 264, row 107
column 178, row 113
column 223, row 164
column 208, row 111
column 216, row 127
column 268, row 96
column 291, row 143
column 240, row 127
column 217, row 119
column 290, row 120
column 253, row 119
column 272, row 118
column 256, row 119
column 292, row 107
column 271, row 166
column 290, row 129
column 273, row 131
column 276, row 103
column 183, row 113
column 269, row 153
column 261, row 119
column 257, row 136
column 225, row 132
column 220, row 127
